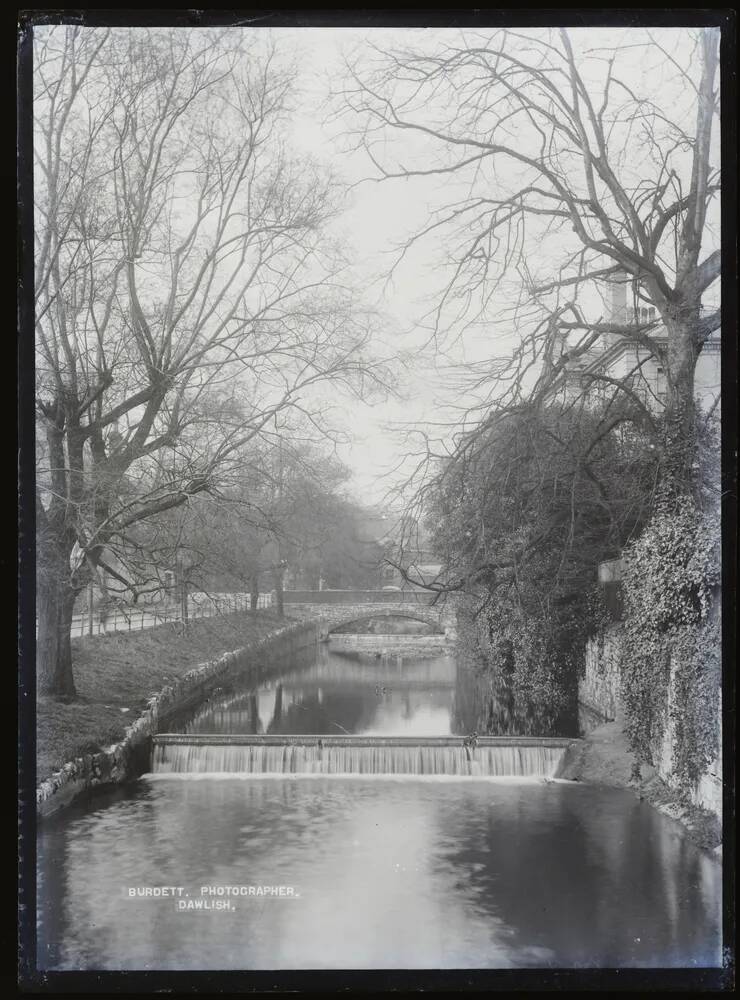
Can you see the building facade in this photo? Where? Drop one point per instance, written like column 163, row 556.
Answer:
column 630, row 362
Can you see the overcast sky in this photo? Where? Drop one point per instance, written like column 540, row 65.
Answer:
column 378, row 218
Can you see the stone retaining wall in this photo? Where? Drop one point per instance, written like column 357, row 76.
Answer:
column 124, row 760
column 598, row 689
column 599, row 701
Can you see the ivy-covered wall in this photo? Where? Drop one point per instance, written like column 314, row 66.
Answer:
column 599, row 688
column 660, row 672
column 600, row 691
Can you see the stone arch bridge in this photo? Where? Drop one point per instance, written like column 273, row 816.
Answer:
column 341, row 607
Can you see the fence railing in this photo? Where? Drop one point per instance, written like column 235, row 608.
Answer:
column 200, row 605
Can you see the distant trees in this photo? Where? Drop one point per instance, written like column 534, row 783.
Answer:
column 283, row 514
column 292, row 521
column 338, row 552
column 184, row 291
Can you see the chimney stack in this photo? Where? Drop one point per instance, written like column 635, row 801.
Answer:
column 618, row 286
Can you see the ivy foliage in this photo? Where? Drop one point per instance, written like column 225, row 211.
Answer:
column 504, row 686
column 670, row 669
column 535, row 658
column 521, row 516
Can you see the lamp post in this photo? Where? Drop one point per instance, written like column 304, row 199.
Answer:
column 183, row 565
column 278, row 577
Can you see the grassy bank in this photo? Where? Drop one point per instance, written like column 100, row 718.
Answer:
column 117, row 674
column 604, row 758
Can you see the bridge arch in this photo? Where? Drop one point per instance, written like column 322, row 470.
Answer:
column 426, row 616
column 334, row 614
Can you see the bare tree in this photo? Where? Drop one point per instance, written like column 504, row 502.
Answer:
column 283, row 510
column 185, row 295
column 560, row 174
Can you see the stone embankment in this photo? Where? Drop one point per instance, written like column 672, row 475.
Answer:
column 604, row 758
column 129, row 757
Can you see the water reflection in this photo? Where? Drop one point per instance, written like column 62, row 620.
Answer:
column 365, row 694
column 389, row 874
column 486, row 702
column 339, row 693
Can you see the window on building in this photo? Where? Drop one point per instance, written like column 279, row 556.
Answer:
column 660, row 385
column 644, row 314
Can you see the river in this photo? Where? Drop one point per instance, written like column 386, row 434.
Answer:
column 368, row 872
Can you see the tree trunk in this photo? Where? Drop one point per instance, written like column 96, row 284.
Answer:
column 254, row 715
column 680, row 443
column 279, row 604
column 277, row 715
column 56, row 598
column 254, row 592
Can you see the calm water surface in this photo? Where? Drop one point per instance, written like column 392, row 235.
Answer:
column 385, row 873
column 405, row 873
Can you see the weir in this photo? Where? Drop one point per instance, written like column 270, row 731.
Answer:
column 379, row 640
column 490, row 756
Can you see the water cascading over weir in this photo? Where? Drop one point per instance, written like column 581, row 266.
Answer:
column 487, row 757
